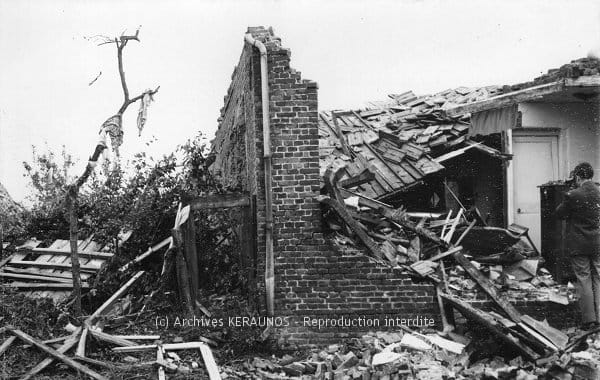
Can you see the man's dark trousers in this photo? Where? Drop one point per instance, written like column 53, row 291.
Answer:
column 581, row 208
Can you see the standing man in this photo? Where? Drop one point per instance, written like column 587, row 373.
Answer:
column 581, row 209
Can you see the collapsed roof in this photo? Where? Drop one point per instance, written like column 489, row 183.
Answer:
column 398, row 142
column 390, row 146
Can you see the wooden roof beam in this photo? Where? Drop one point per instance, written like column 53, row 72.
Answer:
column 220, row 201
column 500, row 101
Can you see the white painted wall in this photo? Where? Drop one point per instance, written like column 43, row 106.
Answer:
column 580, row 130
column 579, row 139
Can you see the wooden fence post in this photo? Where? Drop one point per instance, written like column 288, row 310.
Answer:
column 191, row 254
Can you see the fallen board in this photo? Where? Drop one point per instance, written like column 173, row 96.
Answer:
column 31, row 264
column 66, row 252
column 341, row 211
column 58, row 355
column 35, row 285
column 489, row 323
column 57, row 295
column 33, row 277
column 36, row 272
column 36, row 264
column 557, row 337
column 73, row 339
column 488, row 287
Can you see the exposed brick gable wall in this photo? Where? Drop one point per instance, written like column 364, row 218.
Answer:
column 312, row 278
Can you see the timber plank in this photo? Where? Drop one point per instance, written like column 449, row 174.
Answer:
column 66, row 245
column 74, row 338
column 110, row 338
column 160, row 356
column 81, row 246
column 58, row 355
column 360, row 179
column 92, row 246
column 57, row 244
column 483, row 319
column 20, row 255
column 109, row 302
column 349, row 220
column 406, row 175
column 33, row 277
column 5, row 260
column 52, row 285
column 150, row 251
column 385, row 167
column 488, row 287
column 67, row 252
column 190, row 252
column 209, row 363
column 557, row 337
column 507, row 99
column 537, row 337
column 6, row 344
column 36, row 264
column 31, row 243
column 80, row 351
column 379, row 185
column 36, row 272
column 220, row 201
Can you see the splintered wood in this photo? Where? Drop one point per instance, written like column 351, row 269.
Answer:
column 205, row 352
column 423, row 246
column 78, row 338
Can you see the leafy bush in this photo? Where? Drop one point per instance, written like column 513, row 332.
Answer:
column 142, row 196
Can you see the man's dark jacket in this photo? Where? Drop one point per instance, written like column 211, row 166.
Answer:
column 581, row 208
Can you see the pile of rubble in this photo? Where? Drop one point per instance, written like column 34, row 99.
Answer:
column 505, row 256
column 410, row 355
column 457, row 253
column 376, row 356
column 80, row 340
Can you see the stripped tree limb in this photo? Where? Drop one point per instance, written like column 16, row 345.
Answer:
column 95, row 79
column 113, row 128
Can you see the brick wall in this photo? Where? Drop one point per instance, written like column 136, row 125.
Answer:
column 312, row 278
column 234, row 145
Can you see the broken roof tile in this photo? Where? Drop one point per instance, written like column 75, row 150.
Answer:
column 404, row 131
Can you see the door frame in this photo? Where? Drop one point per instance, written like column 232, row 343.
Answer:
column 562, row 136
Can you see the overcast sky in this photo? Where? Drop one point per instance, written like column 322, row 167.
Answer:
column 356, row 50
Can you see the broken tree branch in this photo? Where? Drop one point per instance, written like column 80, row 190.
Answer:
column 95, row 79
column 121, row 42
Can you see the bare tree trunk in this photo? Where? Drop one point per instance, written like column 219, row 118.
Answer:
column 75, row 268
column 73, row 190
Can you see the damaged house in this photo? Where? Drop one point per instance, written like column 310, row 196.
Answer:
column 465, row 163
column 418, row 230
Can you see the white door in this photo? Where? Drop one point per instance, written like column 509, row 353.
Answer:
column 535, row 162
